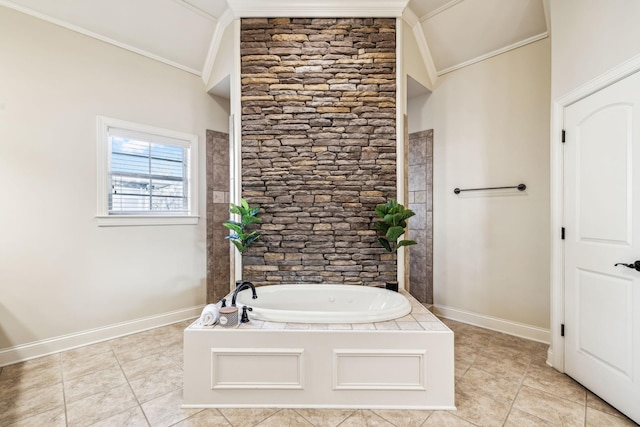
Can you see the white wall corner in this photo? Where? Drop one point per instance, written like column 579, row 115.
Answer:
column 223, row 22
column 413, row 21
column 547, row 15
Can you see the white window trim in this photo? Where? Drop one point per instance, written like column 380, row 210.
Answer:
column 103, row 218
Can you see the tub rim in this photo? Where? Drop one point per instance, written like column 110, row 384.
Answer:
column 306, row 316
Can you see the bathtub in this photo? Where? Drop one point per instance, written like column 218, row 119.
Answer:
column 325, row 304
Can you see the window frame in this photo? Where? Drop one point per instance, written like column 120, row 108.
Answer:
column 188, row 141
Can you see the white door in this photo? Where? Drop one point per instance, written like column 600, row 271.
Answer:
column 602, row 221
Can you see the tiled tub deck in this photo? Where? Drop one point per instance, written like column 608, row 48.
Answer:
column 404, row 363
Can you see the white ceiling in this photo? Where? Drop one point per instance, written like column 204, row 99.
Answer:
column 183, row 33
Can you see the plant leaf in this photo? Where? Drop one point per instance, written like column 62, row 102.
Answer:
column 385, row 244
column 394, row 232
column 234, row 226
column 405, row 243
column 252, row 238
column 381, row 210
column 381, row 226
column 246, row 220
column 238, row 245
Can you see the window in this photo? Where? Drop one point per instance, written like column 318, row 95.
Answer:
column 146, row 175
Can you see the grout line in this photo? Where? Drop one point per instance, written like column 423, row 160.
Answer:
column 64, row 395
column 345, row 420
column 144, row 414
column 223, row 416
column 526, row 372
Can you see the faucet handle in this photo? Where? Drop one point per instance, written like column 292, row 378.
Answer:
column 245, row 316
column 223, row 302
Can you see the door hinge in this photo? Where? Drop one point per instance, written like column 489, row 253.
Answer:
column 564, row 135
column 562, row 330
column 562, row 233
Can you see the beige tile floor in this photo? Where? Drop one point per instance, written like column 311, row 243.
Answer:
column 137, row 381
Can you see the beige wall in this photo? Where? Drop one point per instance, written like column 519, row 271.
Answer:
column 589, row 37
column 491, row 128
column 223, row 64
column 59, row 272
column 412, row 59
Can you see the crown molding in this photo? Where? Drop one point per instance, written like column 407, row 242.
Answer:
column 317, row 8
column 223, row 22
column 96, row 36
column 439, row 10
column 413, row 21
column 410, row 17
column 195, row 9
column 494, row 53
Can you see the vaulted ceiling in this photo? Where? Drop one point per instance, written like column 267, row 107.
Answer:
column 185, row 33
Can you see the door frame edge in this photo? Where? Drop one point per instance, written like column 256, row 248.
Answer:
column 555, row 357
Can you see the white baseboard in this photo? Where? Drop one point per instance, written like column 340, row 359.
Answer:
column 522, row 330
column 40, row 348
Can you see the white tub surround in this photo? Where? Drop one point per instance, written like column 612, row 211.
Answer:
column 406, row 363
column 325, row 304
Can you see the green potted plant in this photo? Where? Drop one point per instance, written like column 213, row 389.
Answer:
column 241, row 237
column 393, row 225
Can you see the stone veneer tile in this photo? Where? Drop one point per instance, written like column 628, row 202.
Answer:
column 405, row 417
column 273, row 325
column 247, row 417
column 500, row 388
column 553, row 382
column 52, row 418
column 409, row 326
column 595, row 402
column 480, row 408
column 325, row 417
column 363, row 326
column 166, row 410
column 92, row 383
column 218, row 256
column 130, row 418
column 550, row 408
column 596, row 418
column 99, row 406
column 518, row 418
column 446, row 419
column 206, row 418
column 386, row 326
column 366, row 418
column 339, row 326
column 79, row 366
column 503, row 368
column 285, row 417
column 157, row 383
column 30, row 402
column 433, row 326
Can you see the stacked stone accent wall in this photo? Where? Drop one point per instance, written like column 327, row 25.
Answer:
column 318, row 146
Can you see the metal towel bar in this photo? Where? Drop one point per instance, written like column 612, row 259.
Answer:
column 520, row 187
